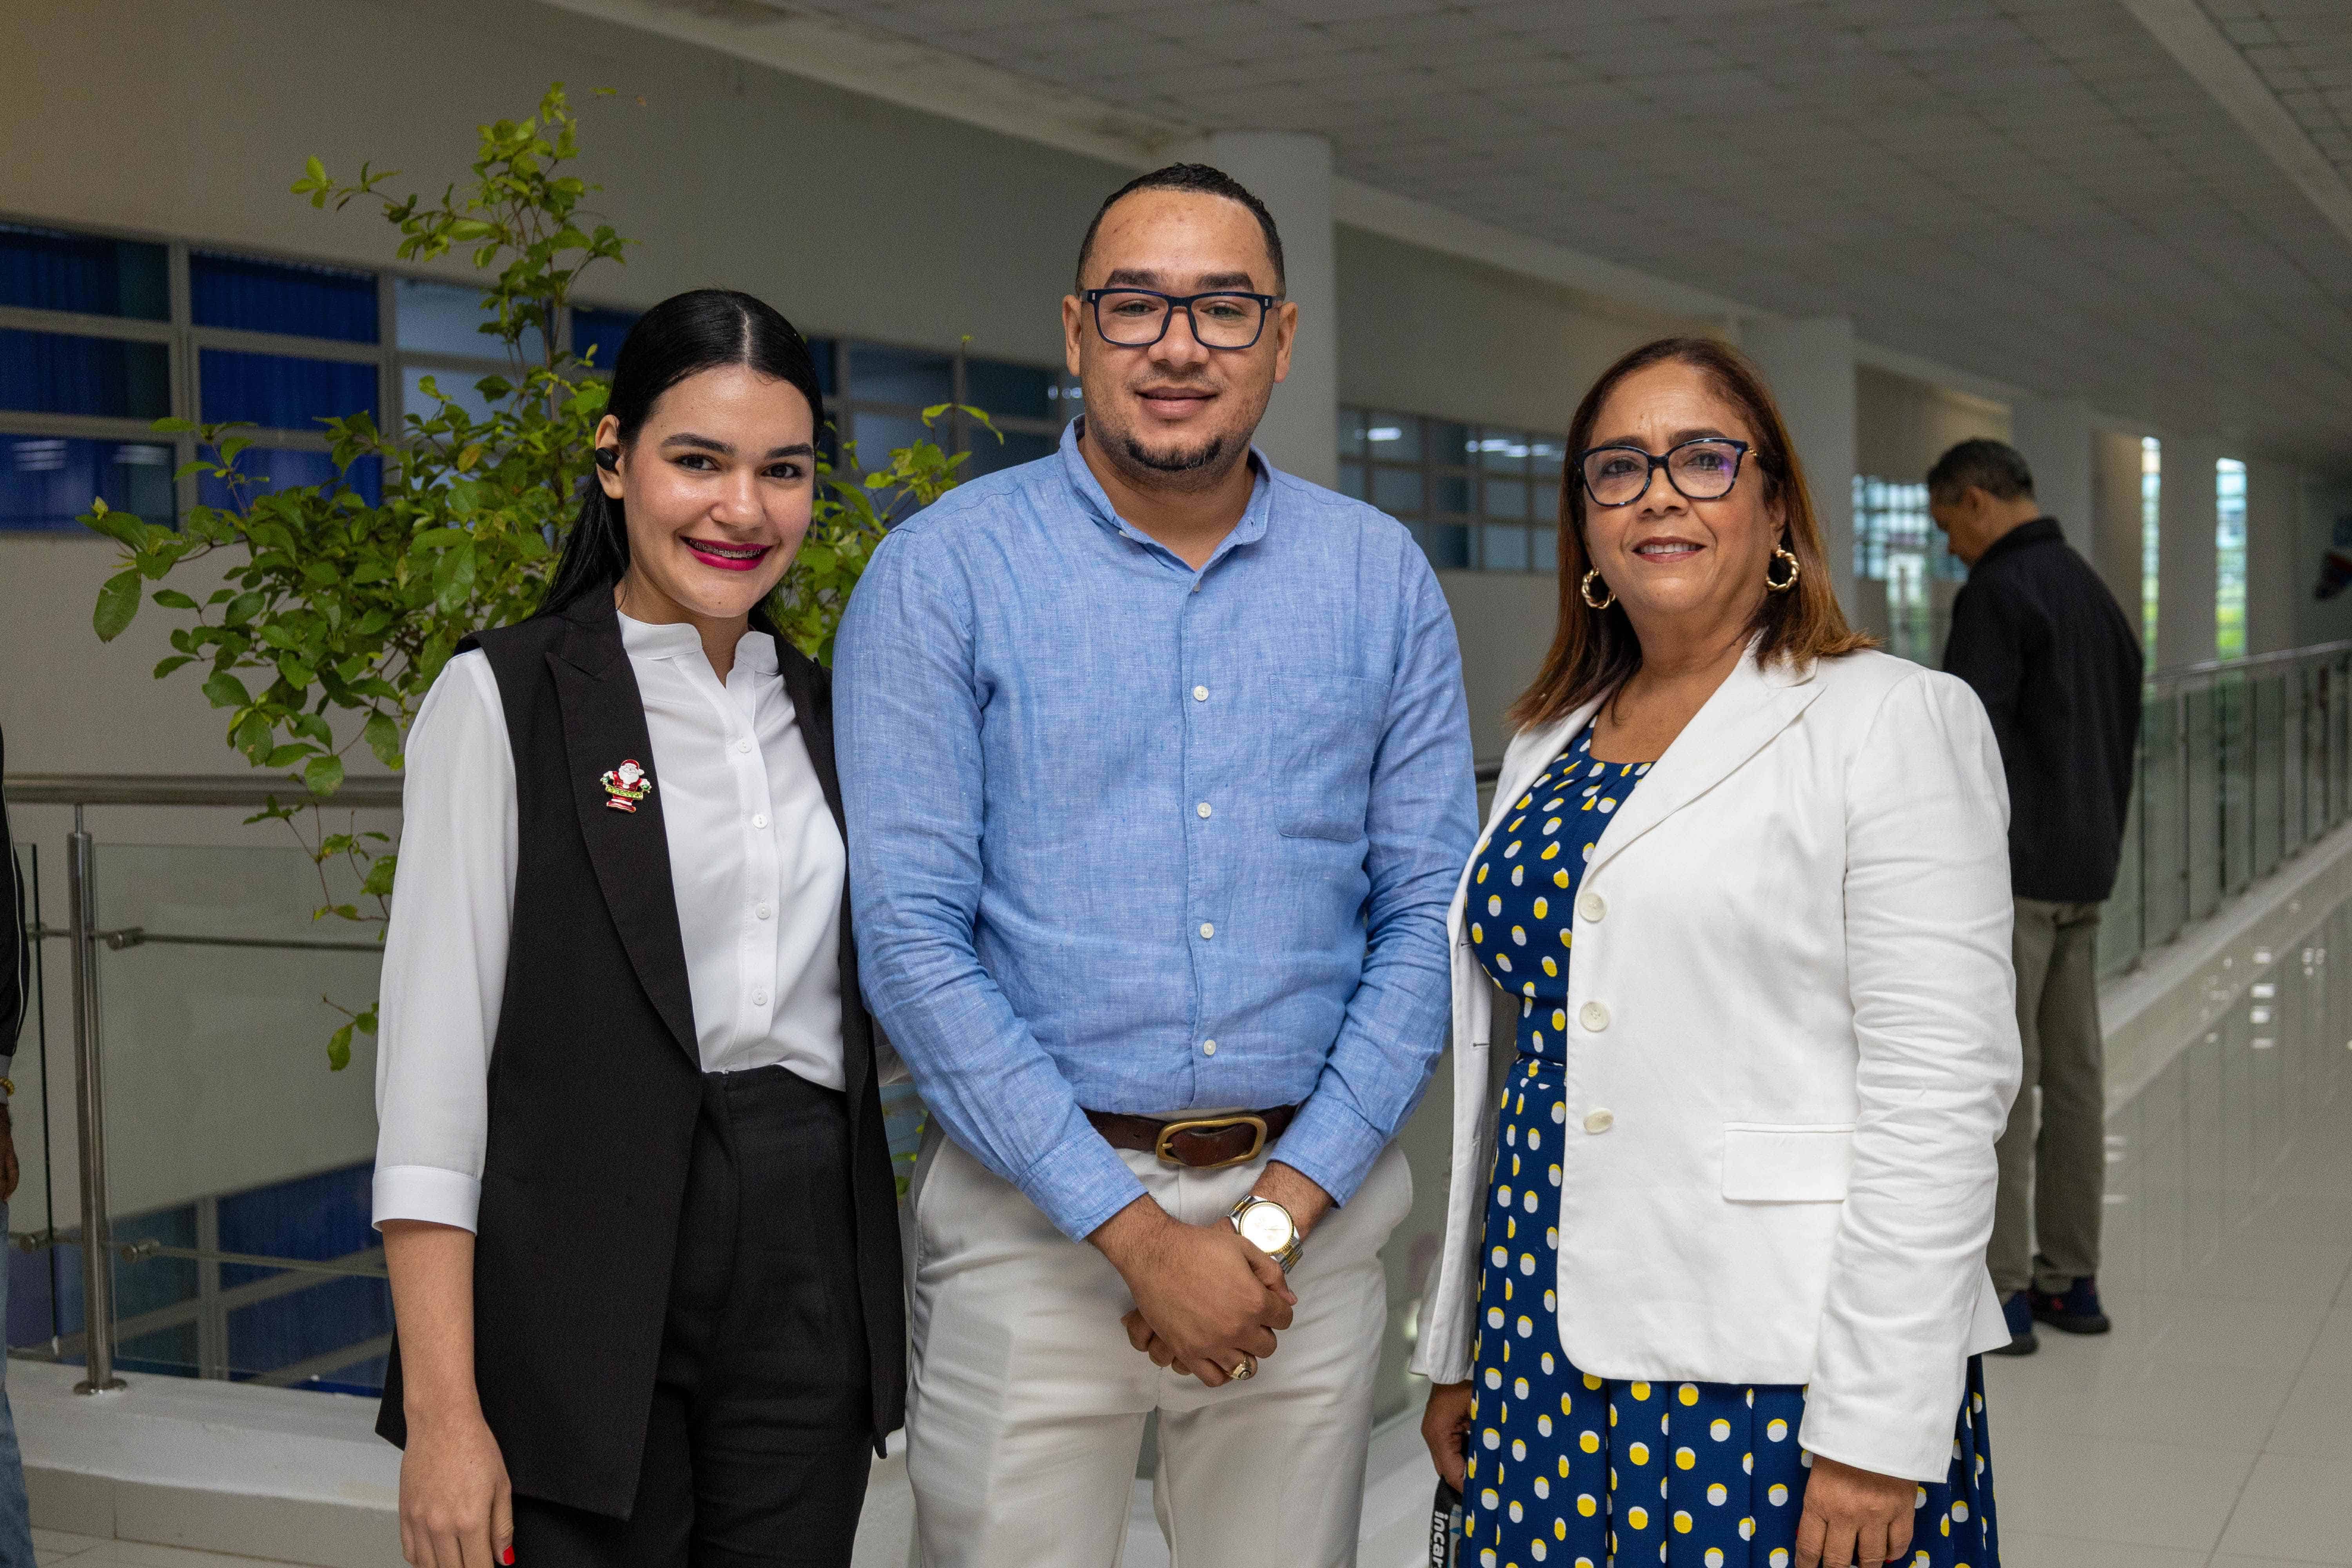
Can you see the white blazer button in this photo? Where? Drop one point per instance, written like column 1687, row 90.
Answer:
column 1598, row 1121
column 742, row 745
column 1592, row 906
column 1593, row 1016
column 759, row 821
column 763, row 911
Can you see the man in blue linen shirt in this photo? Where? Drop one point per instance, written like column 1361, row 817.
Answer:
column 1158, row 774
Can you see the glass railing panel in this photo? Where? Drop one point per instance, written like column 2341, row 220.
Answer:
column 2267, row 712
column 2163, row 823
column 2336, row 698
column 2233, row 784
column 228, row 1133
column 2202, row 793
column 2292, row 774
column 46, row 1191
column 2120, row 917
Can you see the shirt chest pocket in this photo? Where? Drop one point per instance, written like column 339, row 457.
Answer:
column 1325, row 732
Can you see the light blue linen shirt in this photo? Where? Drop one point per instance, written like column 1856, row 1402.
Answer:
column 1127, row 836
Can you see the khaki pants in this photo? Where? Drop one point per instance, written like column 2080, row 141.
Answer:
column 1025, row 1417
column 2053, row 1179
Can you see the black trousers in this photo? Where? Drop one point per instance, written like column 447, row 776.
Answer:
column 758, row 1446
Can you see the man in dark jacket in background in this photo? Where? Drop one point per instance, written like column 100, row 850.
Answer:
column 2055, row 662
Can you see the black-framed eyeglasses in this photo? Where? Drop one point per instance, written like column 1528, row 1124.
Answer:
column 1703, row 468
column 1139, row 317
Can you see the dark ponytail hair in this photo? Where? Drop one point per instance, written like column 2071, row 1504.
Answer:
column 685, row 335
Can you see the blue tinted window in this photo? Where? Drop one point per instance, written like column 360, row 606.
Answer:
column 266, row 469
column 596, row 334
column 282, row 296
column 899, row 375
column 49, row 373
column 448, row 318
column 1505, row 549
column 41, row 270
column 456, row 385
column 1447, row 544
column 1013, row 390
column 279, row 392
column 1019, row 446
column 46, row 482
column 822, row 350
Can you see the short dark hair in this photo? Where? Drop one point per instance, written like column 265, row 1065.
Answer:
column 1995, row 467
column 1199, row 179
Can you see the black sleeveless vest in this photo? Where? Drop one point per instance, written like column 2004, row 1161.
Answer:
column 595, row 1081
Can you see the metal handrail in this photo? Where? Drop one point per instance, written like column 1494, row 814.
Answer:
column 366, row 1264
column 370, row 792
column 2181, row 677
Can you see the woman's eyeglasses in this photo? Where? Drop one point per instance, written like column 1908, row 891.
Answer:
column 1701, row 470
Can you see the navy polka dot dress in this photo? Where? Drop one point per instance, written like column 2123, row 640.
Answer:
column 1579, row 1471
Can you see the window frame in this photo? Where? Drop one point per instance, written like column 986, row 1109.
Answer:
column 1536, row 531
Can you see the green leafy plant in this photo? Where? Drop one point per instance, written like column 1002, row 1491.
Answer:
column 332, row 613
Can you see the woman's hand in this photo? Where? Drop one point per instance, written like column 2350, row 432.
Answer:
column 1445, row 1425
column 456, row 1510
column 1856, row 1518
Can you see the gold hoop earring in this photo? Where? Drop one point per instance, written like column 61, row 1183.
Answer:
column 1591, row 578
column 1795, row 568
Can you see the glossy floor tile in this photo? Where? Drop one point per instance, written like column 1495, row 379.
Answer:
column 2213, row 1426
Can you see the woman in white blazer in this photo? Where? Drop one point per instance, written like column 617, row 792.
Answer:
column 1713, row 1283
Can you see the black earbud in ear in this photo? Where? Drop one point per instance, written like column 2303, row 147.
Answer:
column 609, row 459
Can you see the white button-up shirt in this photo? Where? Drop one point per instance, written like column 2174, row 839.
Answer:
column 756, row 867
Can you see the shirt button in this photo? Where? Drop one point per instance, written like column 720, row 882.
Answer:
column 1200, row 694
column 1593, row 1016
column 1592, row 906
column 1208, row 1048
column 1207, row 930
column 743, row 745
column 1598, row 1121
column 1202, row 808
column 763, row 911
column 759, row 821
column 759, row 998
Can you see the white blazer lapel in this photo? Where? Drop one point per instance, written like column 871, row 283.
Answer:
column 1751, row 705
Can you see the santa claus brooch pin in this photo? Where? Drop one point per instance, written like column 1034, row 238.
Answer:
column 625, row 786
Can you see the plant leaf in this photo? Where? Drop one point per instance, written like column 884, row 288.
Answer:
column 117, row 602
column 324, row 776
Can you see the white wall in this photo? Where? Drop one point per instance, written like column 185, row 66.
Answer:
column 2187, row 561
column 2115, row 544
column 1903, row 425
column 1424, row 332
column 850, row 215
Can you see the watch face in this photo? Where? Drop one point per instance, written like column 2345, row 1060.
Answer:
column 1266, row 1227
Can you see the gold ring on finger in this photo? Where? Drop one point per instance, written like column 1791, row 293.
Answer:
column 1244, row 1369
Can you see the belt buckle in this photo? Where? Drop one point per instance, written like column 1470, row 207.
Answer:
column 1211, row 1124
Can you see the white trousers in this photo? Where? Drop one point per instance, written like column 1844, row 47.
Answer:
column 1025, row 1417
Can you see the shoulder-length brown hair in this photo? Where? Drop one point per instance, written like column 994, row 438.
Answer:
column 1594, row 651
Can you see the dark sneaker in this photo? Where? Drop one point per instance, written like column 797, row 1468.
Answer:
column 2019, row 1310
column 2074, row 1311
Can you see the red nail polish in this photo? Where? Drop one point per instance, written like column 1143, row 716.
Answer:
column 507, row 1557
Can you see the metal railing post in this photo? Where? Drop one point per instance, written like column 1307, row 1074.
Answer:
column 97, row 1251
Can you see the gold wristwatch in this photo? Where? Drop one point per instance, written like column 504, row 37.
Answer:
column 1267, row 1225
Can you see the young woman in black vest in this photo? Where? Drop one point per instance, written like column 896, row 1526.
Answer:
column 632, row 1176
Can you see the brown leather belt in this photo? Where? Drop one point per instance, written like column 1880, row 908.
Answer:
column 1197, row 1142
